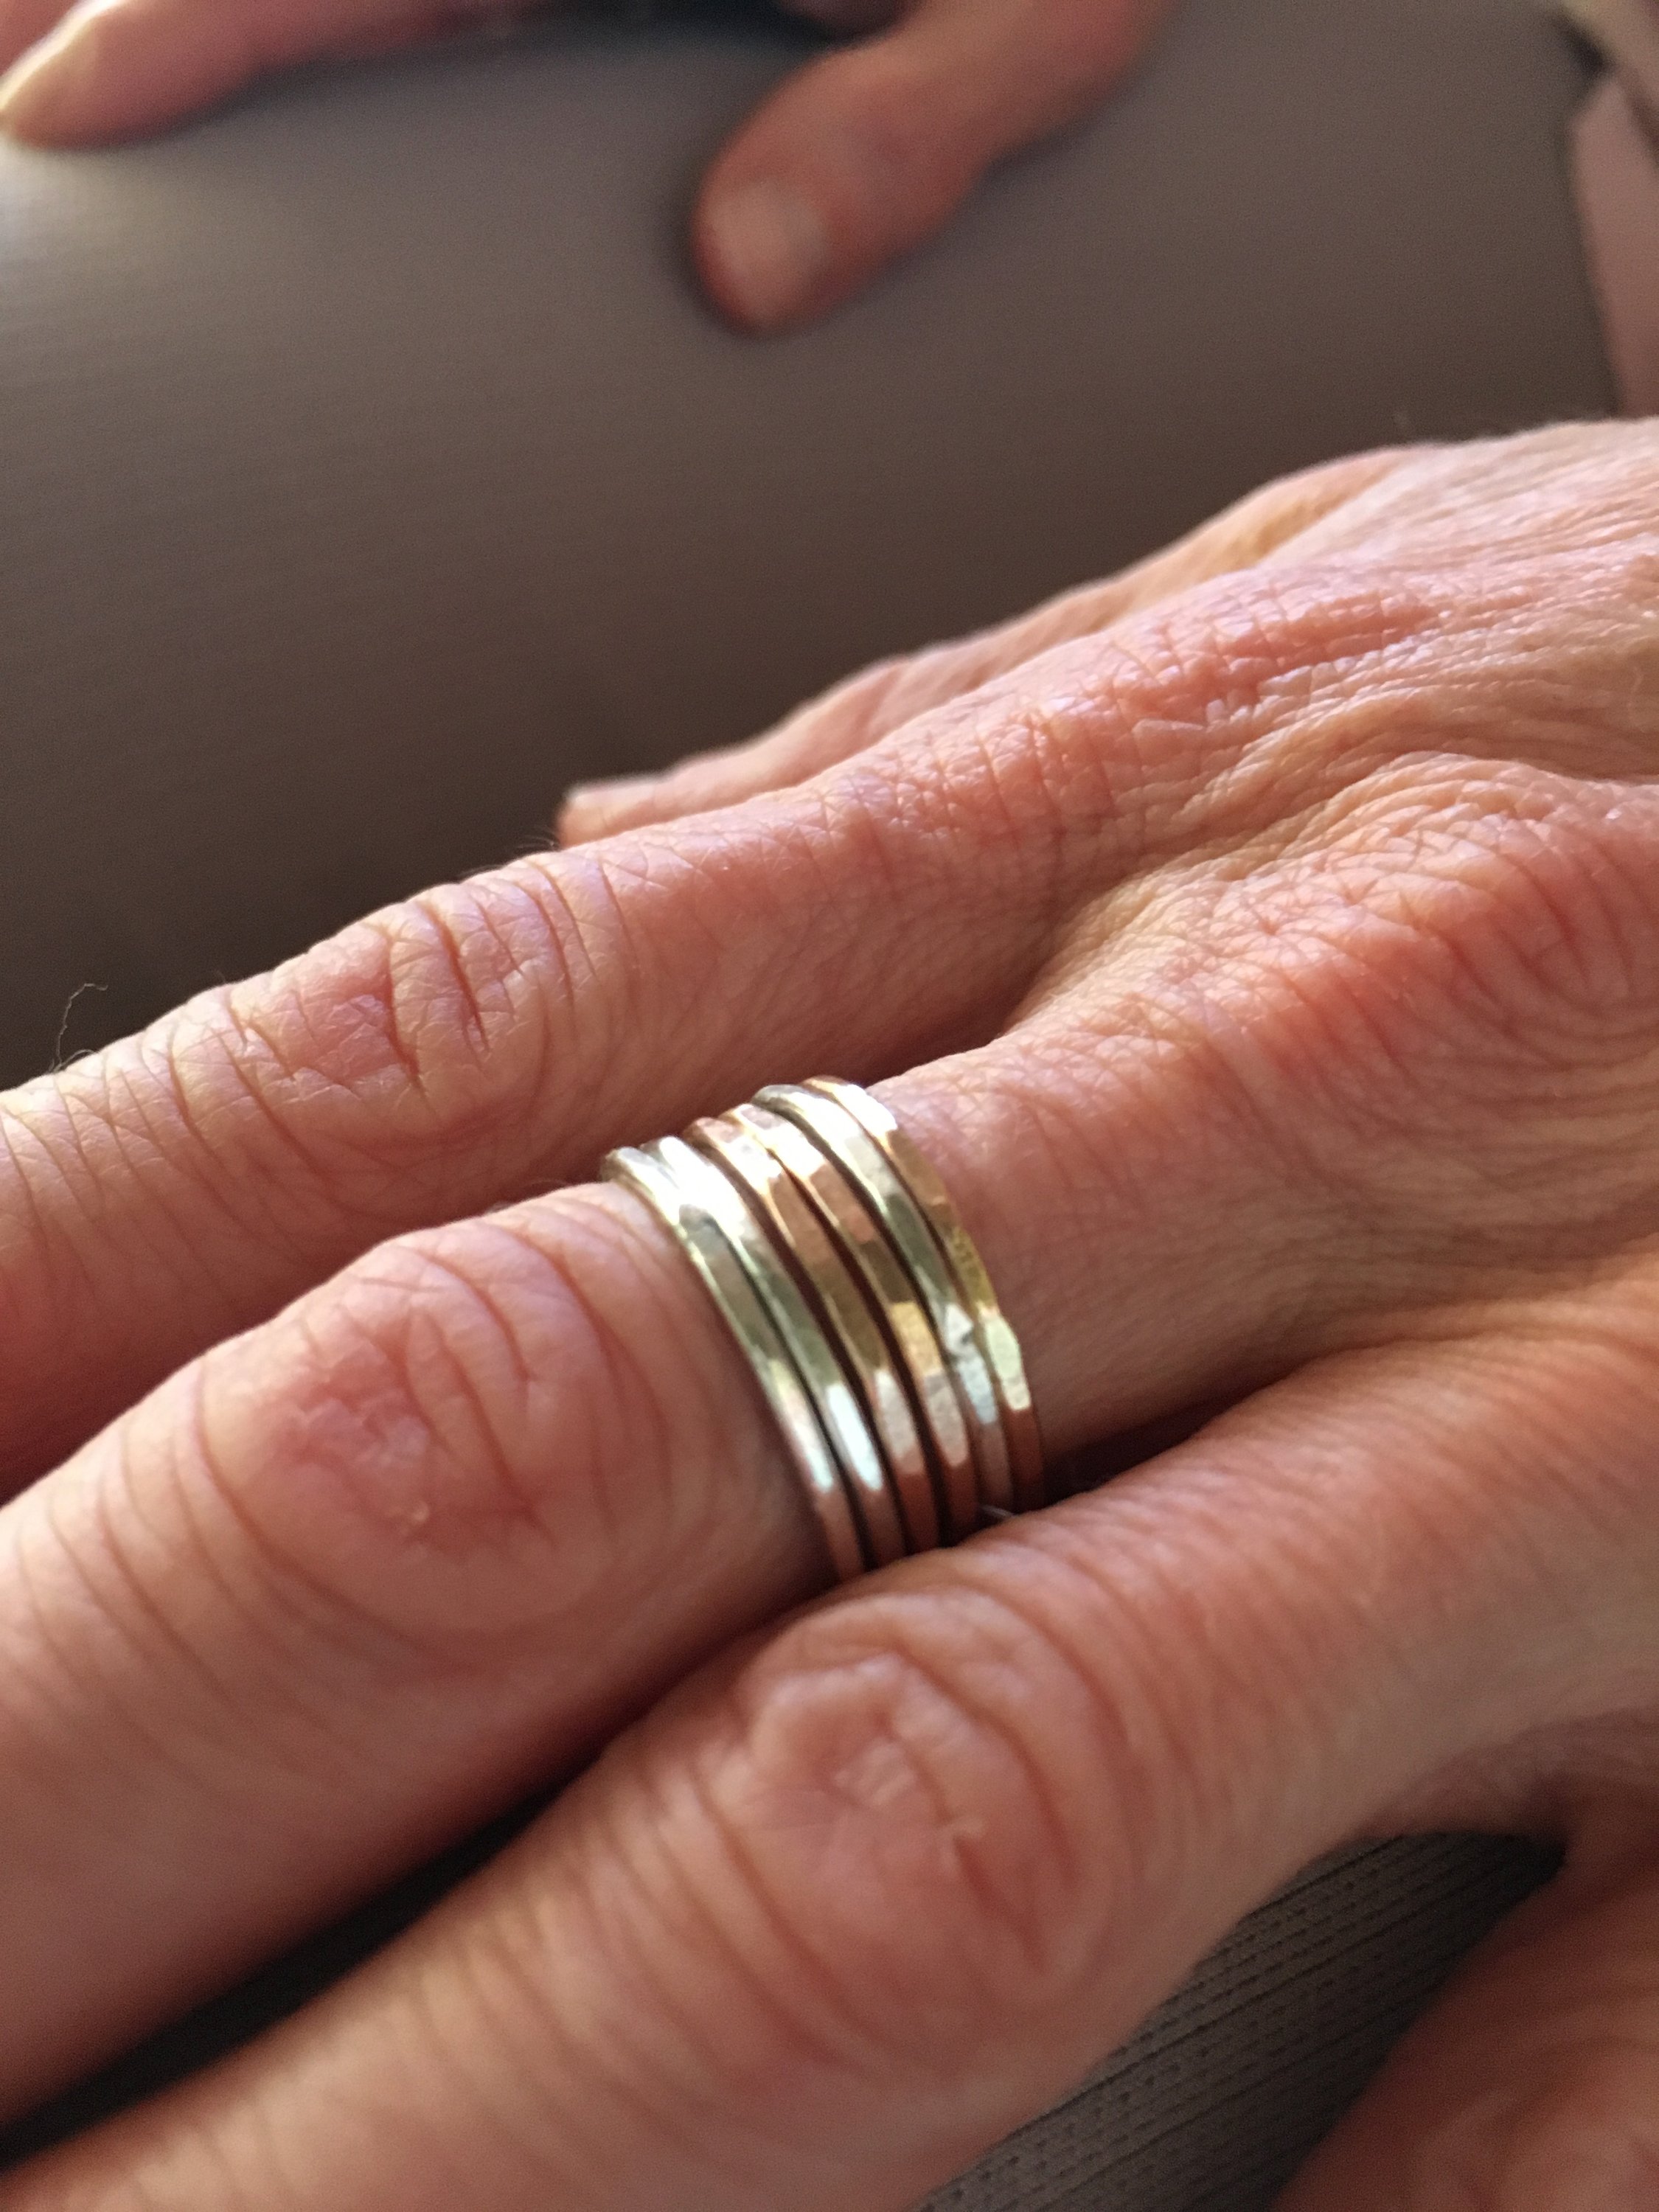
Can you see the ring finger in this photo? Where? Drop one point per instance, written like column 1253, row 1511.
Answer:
column 353, row 1581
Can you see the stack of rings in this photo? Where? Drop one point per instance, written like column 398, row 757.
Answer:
column 830, row 1244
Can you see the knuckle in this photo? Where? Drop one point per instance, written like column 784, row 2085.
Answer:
column 1589, row 851
column 421, row 1440
column 1496, row 891
column 1524, row 896
column 1192, row 725
column 474, row 1437
column 1561, row 918
column 1587, row 2134
column 1239, row 666
column 891, row 1793
column 433, row 1368
column 422, row 1030
column 1243, row 707
column 1455, row 965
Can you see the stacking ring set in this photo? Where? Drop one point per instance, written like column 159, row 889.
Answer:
column 831, row 1248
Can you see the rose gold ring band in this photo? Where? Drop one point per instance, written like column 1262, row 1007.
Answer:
column 831, row 1248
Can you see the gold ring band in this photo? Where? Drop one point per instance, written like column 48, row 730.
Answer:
column 897, row 1303
column 701, row 1235
column 832, row 1250
column 854, row 1330
column 839, row 1405
column 997, row 1341
column 827, row 1119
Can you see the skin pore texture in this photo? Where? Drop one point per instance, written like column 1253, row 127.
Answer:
column 1265, row 946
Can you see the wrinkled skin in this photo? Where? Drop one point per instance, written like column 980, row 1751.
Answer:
column 1266, row 945
column 859, row 157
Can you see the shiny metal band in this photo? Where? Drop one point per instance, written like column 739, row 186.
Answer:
column 829, row 1245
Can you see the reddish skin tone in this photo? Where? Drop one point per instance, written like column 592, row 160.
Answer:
column 858, row 157
column 1274, row 931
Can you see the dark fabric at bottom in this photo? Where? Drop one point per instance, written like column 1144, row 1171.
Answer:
column 1215, row 2103
column 1209, row 2108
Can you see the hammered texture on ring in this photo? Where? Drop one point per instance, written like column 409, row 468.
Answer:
column 831, row 1248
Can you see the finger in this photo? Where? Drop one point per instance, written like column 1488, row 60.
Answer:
column 880, row 700
column 878, row 1889
column 365, row 1574
column 455, row 1052
column 115, row 69
column 23, row 23
column 360, row 1580
column 864, row 152
column 1407, row 506
column 1534, row 2081
column 462, row 1050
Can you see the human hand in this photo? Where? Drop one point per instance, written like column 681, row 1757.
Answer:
column 861, row 154
column 1272, row 948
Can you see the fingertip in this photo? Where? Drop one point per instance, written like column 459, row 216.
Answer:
column 853, row 161
column 866, row 151
column 37, row 94
column 24, row 24
column 115, row 70
column 101, row 75
column 764, row 251
column 591, row 810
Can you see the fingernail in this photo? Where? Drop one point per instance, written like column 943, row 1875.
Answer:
column 770, row 250
column 609, row 791
column 587, row 806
